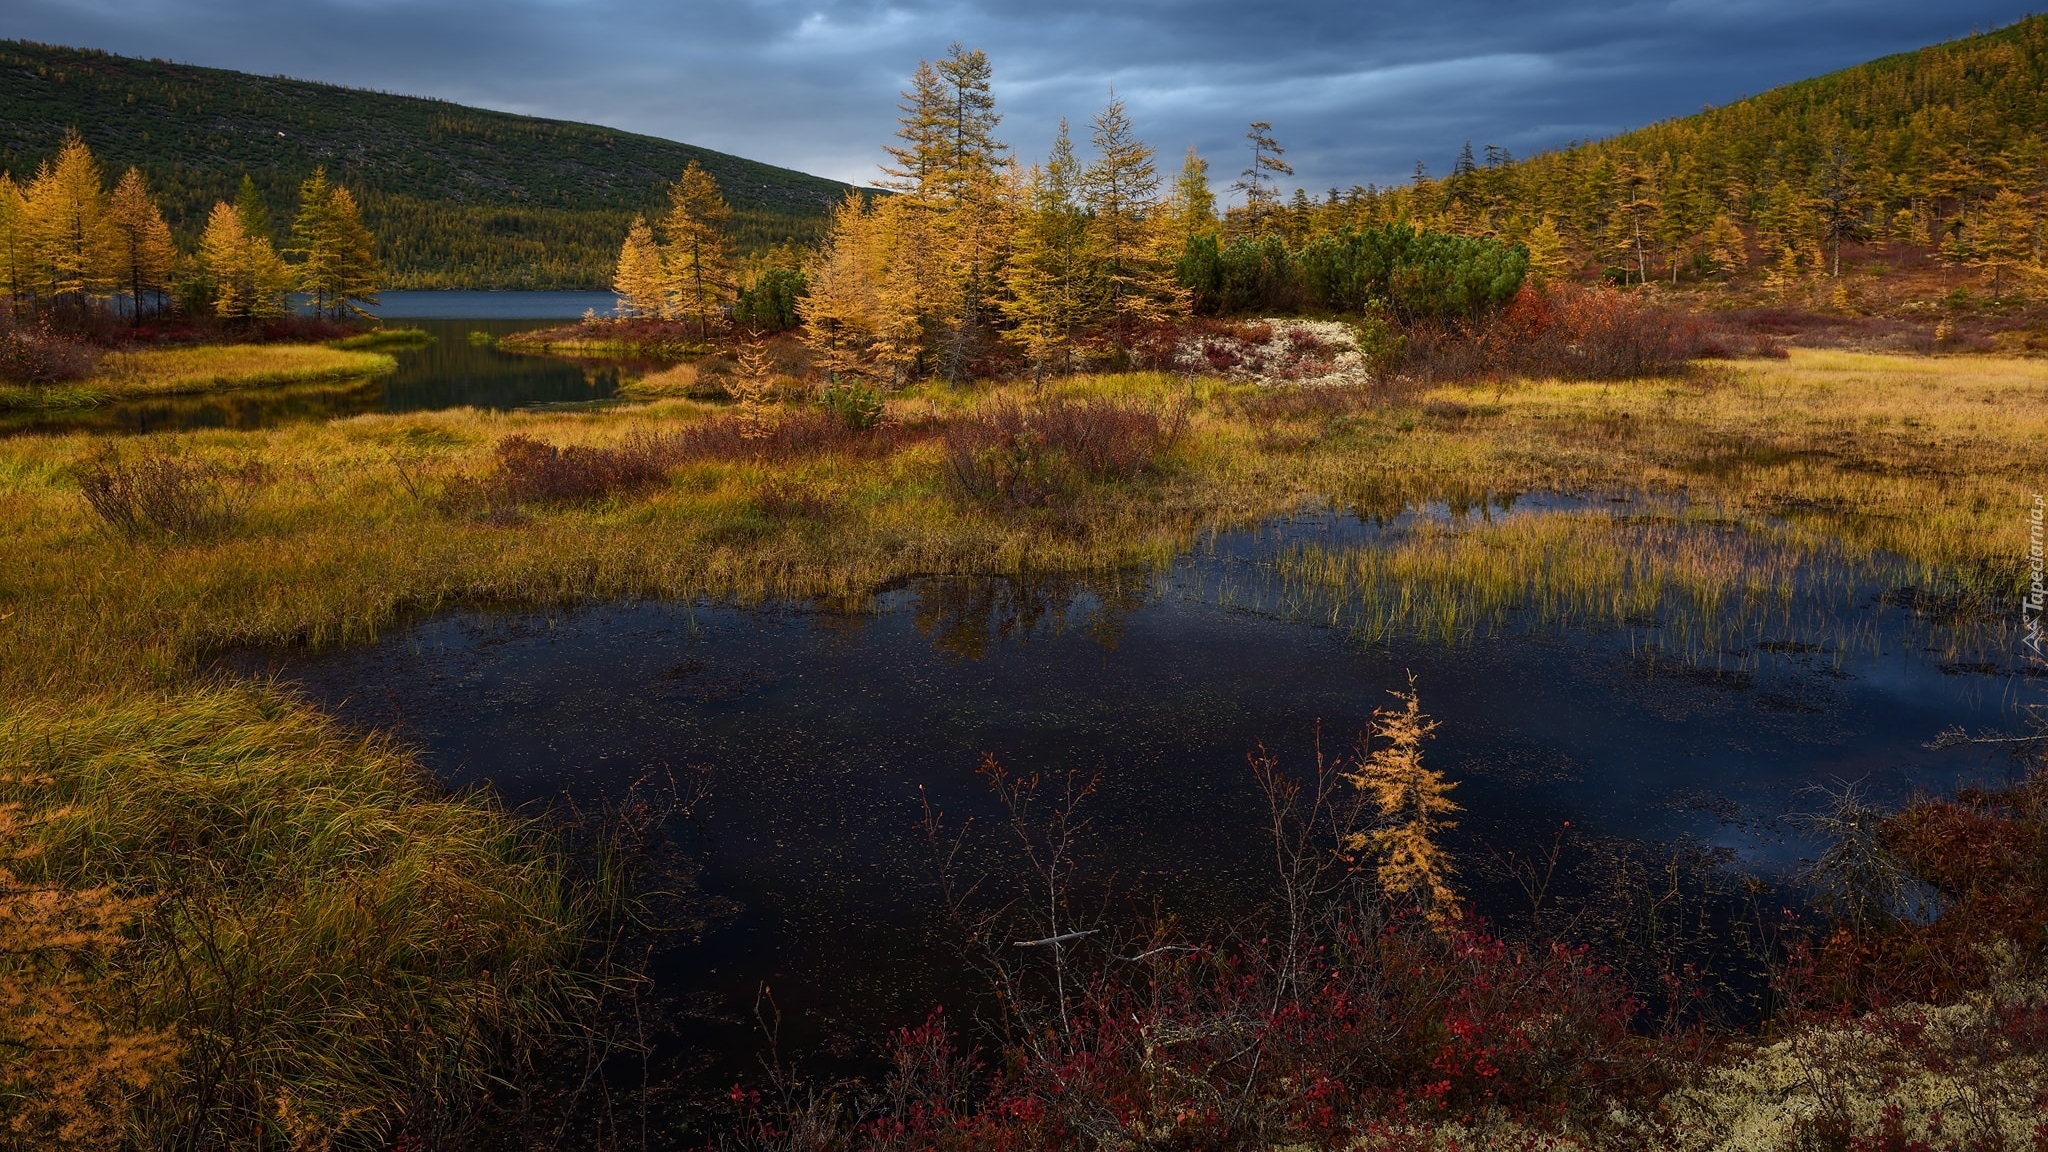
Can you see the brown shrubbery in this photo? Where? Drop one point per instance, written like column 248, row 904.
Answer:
column 38, row 357
column 1569, row 333
column 1007, row 453
column 154, row 494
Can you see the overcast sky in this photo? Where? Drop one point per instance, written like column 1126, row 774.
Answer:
column 1356, row 91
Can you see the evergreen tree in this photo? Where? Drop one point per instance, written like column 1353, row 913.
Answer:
column 17, row 247
column 337, row 255
column 696, row 254
column 249, row 206
column 144, row 240
column 639, row 282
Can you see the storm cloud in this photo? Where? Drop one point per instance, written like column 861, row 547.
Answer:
column 1357, row 92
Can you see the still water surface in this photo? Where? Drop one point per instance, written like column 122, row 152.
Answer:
column 821, row 726
column 453, row 371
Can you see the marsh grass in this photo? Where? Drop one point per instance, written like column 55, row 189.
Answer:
column 1696, row 585
column 384, row 338
column 200, row 368
column 330, row 941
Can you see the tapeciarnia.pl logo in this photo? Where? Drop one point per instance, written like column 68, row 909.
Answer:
column 2036, row 602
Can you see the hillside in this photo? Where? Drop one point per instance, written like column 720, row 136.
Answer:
column 457, row 196
column 1939, row 154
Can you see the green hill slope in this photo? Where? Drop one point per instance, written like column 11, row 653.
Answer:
column 1910, row 149
column 458, row 197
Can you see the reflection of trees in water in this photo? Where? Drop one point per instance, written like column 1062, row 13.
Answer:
column 967, row 615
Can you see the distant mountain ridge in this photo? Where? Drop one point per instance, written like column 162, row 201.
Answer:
column 457, row 196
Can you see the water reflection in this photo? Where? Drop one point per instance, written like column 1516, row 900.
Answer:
column 452, row 371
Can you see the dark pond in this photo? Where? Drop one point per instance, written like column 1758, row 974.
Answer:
column 819, row 725
column 451, row 372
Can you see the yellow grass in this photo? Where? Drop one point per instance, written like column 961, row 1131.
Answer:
column 215, row 367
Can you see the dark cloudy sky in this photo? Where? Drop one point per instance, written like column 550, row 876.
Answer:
column 1356, row 91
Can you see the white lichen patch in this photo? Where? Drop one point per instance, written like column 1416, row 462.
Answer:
column 1309, row 352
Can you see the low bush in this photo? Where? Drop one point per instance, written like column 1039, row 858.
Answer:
column 1008, row 453
column 38, row 357
column 154, row 494
column 1564, row 332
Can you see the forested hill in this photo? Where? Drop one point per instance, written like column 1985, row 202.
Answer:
column 457, row 197
column 1909, row 149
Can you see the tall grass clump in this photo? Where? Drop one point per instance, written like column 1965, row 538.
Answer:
column 321, row 948
column 151, row 493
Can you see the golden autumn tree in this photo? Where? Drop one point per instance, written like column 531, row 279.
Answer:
column 72, row 238
column 1191, row 206
column 1050, row 276
column 143, row 240
column 1999, row 238
column 639, row 281
column 1120, row 188
column 1632, row 223
column 696, row 254
column 1547, row 259
column 839, row 310
column 1724, row 245
column 337, row 256
column 250, row 280
column 1413, row 802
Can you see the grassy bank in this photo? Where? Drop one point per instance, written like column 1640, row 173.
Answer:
column 134, row 772
column 201, row 368
column 385, row 338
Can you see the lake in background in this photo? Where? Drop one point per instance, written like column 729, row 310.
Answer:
column 396, row 306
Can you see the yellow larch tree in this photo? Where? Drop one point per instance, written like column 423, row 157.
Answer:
column 1547, row 259
column 839, row 310
column 1999, row 238
column 337, row 256
column 639, row 282
column 224, row 254
column 73, row 240
column 1190, row 209
column 1120, row 188
column 1049, row 276
column 1724, row 244
column 250, row 280
column 1413, row 802
column 696, row 254
column 143, row 240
